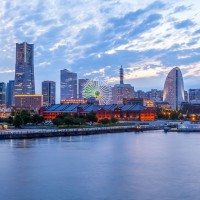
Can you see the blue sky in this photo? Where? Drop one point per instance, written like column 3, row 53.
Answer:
column 95, row 37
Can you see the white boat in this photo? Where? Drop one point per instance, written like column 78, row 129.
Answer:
column 189, row 127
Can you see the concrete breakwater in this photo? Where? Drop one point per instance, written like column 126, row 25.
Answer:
column 41, row 133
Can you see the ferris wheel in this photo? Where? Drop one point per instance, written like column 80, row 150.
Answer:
column 99, row 89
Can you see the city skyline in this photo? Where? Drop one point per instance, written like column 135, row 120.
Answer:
column 148, row 39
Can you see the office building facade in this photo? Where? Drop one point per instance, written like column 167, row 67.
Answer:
column 9, row 93
column 2, row 94
column 48, row 92
column 186, row 96
column 194, row 95
column 68, row 85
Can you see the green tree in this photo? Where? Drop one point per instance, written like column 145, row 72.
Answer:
column 78, row 121
column 65, row 115
column 26, row 116
column 10, row 120
column 68, row 120
column 18, row 121
column 75, row 115
column 105, row 121
column 36, row 119
column 13, row 113
column 58, row 121
column 91, row 117
column 113, row 120
column 174, row 115
column 181, row 116
column 187, row 115
column 26, row 119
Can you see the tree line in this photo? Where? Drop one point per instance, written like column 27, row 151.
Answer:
column 67, row 119
column 22, row 117
column 171, row 114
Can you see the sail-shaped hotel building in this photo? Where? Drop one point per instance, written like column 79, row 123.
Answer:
column 174, row 88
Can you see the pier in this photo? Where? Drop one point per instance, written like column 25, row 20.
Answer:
column 41, row 133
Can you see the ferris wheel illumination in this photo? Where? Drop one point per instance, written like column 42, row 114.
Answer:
column 98, row 89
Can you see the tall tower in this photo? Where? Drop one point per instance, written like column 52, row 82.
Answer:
column 24, row 69
column 68, row 85
column 49, row 92
column 121, row 91
column 121, row 73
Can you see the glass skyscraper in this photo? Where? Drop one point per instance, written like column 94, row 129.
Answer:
column 49, row 92
column 68, row 85
column 24, row 69
column 2, row 94
column 9, row 93
column 173, row 92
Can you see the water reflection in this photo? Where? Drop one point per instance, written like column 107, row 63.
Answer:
column 150, row 165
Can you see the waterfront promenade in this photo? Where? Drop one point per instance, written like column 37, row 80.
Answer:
column 39, row 133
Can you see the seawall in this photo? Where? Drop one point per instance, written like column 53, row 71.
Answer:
column 40, row 133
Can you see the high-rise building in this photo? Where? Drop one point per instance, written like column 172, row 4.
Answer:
column 120, row 91
column 186, row 96
column 9, row 93
column 174, row 88
column 68, row 85
column 2, row 94
column 48, row 92
column 194, row 95
column 81, row 84
column 24, row 69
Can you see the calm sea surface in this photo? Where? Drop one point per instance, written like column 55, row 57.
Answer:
column 144, row 166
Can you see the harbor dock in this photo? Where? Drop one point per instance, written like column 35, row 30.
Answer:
column 41, row 133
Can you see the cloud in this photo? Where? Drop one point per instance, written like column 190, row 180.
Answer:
column 181, row 9
column 100, row 72
column 7, row 71
column 149, row 23
column 197, row 32
column 44, row 64
column 191, row 70
column 183, row 24
column 146, row 37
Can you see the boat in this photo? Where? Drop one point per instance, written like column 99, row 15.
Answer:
column 189, row 127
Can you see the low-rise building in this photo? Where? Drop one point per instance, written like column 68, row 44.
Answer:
column 138, row 101
column 126, row 113
column 121, row 112
column 73, row 101
column 192, row 108
column 29, row 101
